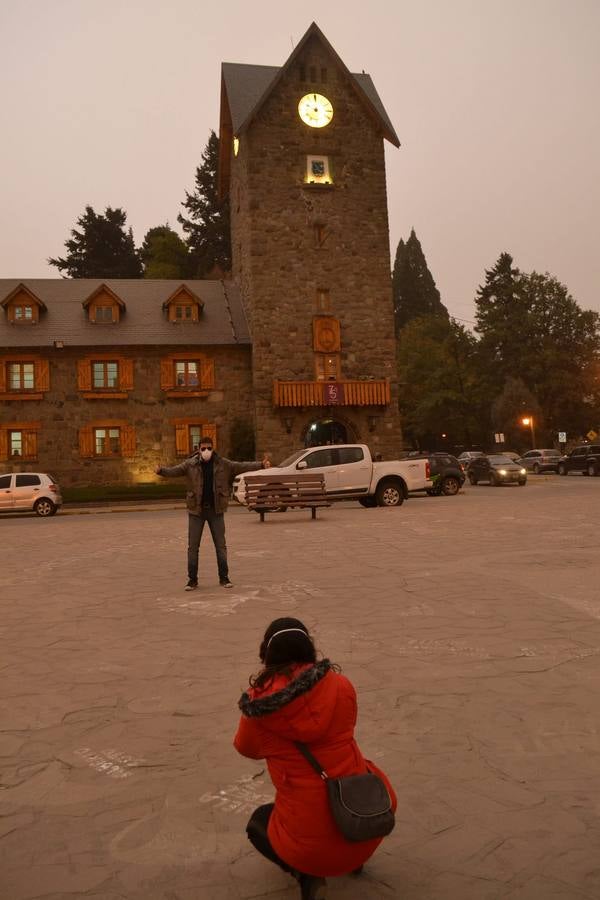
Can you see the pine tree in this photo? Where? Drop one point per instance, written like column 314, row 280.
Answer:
column 164, row 254
column 101, row 249
column 414, row 291
column 207, row 228
column 500, row 314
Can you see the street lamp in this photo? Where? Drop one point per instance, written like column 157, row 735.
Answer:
column 528, row 420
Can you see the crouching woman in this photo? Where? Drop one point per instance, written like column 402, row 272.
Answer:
column 293, row 698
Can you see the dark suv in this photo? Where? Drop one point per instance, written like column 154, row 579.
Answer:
column 447, row 474
column 584, row 459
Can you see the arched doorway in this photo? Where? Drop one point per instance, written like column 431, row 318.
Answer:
column 328, row 431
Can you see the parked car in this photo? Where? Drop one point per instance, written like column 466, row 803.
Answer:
column 468, row 455
column 537, row 461
column 496, row 470
column 511, row 455
column 350, row 474
column 584, row 459
column 447, row 474
column 30, row 490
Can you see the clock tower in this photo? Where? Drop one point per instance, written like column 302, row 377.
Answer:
column 302, row 163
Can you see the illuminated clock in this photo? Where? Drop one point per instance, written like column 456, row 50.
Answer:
column 315, row 110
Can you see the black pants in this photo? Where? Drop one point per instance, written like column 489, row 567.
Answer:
column 256, row 830
column 216, row 523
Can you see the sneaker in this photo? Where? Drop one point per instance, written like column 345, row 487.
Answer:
column 191, row 585
column 225, row 582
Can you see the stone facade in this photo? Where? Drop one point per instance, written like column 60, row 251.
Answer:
column 280, row 267
column 64, row 410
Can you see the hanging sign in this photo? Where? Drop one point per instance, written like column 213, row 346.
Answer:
column 333, row 393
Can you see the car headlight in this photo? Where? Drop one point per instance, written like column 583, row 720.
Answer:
column 523, row 471
column 501, row 471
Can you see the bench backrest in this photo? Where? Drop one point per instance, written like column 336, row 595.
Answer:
column 298, row 486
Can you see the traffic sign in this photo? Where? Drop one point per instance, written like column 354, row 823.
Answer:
column 562, row 437
column 592, row 435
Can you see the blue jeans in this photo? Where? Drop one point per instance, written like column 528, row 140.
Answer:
column 216, row 523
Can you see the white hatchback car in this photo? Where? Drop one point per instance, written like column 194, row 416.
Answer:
column 29, row 490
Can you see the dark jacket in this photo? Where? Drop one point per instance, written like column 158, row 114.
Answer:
column 316, row 706
column 224, row 471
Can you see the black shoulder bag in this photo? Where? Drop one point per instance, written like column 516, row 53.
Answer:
column 360, row 804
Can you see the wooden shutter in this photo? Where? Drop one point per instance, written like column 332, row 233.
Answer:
column 127, row 440
column 182, row 441
column 211, row 432
column 207, row 373
column 126, row 374
column 84, row 375
column 3, row 443
column 42, row 375
column 167, row 374
column 2, row 376
column 29, row 445
column 86, row 441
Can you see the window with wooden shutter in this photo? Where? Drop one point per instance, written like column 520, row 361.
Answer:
column 2, row 376
column 24, row 377
column 181, row 440
column 128, row 443
column 29, row 444
column 189, row 432
column 186, row 375
column 3, row 443
column 167, row 374
column 86, row 441
column 207, row 373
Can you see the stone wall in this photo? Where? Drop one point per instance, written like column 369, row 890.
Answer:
column 280, row 268
column 64, row 411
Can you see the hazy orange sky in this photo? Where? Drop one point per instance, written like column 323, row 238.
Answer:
column 496, row 102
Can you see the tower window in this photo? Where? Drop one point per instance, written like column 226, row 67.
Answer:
column 323, row 302
column 313, row 73
column 321, row 233
column 327, row 366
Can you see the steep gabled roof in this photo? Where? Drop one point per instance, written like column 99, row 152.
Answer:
column 248, row 87
column 22, row 288
column 103, row 289
column 183, row 289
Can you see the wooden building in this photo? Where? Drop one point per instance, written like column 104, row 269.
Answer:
column 100, row 380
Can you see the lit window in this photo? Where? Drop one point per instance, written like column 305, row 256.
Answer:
column 21, row 376
column 105, row 374
column 107, row 441
column 16, row 443
column 186, row 374
column 104, row 314
column 327, row 366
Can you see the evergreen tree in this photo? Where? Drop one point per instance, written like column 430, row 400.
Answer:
column 101, row 249
column 207, row 227
column 413, row 287
column 500, row 314
column 164, row 254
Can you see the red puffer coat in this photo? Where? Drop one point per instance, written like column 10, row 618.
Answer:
column 316, row 706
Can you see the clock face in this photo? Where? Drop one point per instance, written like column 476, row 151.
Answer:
column 315, row 110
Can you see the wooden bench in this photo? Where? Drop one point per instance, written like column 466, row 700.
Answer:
column 276, row 493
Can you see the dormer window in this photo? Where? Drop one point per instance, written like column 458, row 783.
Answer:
column 183, row 305
column 22, row 306
column 103, row 306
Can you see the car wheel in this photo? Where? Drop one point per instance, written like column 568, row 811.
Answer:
column 522, row 482
column 389, row 493
column 450, row 486
column 44, row 507
column 536, row 469
column 472, row 478
column 493, row 480
column 368, row 502
column 562, row 470
column 592, row 471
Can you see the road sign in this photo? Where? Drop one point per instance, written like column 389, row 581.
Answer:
column 562, row 437
column 592, row 435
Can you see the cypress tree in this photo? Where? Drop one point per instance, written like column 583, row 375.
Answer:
column 414, row 290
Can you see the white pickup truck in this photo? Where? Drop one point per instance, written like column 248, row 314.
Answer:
column 351, row 474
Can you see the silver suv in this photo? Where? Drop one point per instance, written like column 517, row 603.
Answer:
column 537, row 461
column 29, row 490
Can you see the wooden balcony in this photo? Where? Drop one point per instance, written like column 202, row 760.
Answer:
column 331, row 393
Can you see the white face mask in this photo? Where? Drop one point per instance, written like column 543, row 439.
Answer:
column 206, row 455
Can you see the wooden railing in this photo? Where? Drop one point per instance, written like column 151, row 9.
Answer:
column 331, row 393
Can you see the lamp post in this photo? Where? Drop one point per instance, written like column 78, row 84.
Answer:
column 528, row 420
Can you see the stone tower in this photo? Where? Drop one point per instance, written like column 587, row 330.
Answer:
column 302, row 162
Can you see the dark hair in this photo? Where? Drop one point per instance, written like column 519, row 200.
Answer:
column 285, row 650
column 206, row 440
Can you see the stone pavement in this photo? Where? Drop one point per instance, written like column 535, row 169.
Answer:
column 469, row 625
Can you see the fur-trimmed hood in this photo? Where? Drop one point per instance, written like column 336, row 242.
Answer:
column 299, row 708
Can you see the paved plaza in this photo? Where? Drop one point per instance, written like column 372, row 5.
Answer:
column 470, row 626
